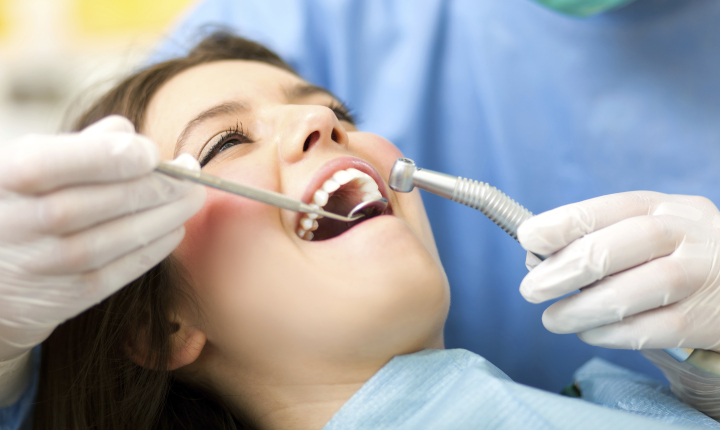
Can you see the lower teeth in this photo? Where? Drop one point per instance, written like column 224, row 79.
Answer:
column 367, row 186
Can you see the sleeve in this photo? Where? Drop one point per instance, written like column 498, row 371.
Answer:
column 18, row 399
column 695, row 387
column 285, row 26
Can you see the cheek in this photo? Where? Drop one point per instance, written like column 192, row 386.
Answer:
column 409, row 206
column 224, row 224
column 230, row 252
column 202, row 230
column 378, row 151
column 387, row 155
column 221, row 230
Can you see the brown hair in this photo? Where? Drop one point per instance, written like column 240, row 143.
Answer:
column 87, row 380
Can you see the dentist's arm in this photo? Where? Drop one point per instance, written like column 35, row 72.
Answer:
column 81, row 215
column 648, row 269
column 14, row 378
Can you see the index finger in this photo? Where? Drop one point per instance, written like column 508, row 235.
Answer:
column 37, row 164
column 551, row 231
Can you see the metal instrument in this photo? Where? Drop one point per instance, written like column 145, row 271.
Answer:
column 501, row 209
column 266, row 196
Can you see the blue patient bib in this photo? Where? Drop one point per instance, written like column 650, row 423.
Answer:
column 456, row 389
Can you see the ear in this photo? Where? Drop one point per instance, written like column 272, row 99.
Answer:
column 186, row 343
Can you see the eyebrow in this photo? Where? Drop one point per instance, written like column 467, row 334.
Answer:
column 305, row 90
column 226, row 108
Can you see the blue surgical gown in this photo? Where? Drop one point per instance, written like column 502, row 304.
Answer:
column 550, row 109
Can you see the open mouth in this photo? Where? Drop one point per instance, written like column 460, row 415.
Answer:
column 340, row 194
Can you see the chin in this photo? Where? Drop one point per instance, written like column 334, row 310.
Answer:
column 407, row 279
column 385, row 246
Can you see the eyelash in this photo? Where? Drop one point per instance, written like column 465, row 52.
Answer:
column 342, row 112
column 237, row 133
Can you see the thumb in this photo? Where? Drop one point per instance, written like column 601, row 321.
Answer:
column 187, row 161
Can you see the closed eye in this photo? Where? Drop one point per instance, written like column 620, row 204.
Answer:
column 342, row 112
column 228, row 139
column 237, row 135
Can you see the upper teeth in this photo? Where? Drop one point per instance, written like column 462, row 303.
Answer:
column 367, row 185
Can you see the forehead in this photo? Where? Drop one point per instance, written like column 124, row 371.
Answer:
column 230, row 79
column 204, row 86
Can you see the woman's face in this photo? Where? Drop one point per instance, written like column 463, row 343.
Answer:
column 265, row 293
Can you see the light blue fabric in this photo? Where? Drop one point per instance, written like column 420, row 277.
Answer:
column 550, row 109
column 456, row 389
column 18, row 415
column 612, row 386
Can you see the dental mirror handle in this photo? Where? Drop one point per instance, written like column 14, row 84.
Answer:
column 265, row 196
column 508, row 214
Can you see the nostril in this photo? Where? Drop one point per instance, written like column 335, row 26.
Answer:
column 335, row 136
column 311, row 139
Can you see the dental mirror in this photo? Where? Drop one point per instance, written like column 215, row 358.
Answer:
column 367, row 208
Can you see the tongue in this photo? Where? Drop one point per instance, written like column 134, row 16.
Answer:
column 341, row 202
column 329, row 228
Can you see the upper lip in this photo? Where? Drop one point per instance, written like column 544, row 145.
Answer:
column 342, row 163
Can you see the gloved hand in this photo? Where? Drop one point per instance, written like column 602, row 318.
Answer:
column 81, row 215
column 692, row 385
column 647, row 264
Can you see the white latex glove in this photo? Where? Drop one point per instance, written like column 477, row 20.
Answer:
column 81, row 215
column 648, row 265
column 697, row 388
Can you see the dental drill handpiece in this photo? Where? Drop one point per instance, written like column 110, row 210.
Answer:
column 493, row 203
column 496, row 205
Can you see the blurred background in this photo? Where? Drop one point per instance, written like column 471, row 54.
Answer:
column 57, row 54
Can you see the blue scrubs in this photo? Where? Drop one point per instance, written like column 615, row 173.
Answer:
column 550, row 109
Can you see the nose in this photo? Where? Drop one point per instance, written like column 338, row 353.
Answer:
column 311, row 127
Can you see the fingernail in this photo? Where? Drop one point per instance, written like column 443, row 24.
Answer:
column 541, row 284
column 533, row 235
column 527, row 289
column 187, row 161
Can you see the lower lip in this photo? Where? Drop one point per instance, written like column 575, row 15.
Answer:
column 359, row 228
